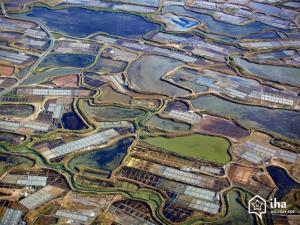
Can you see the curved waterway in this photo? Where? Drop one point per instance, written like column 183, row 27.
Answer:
column 282, row 180
column 80, row 22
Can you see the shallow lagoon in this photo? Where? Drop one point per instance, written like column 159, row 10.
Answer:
column 166, row 124
column 276, row 121
column 80, row 22
column 145, row 75
column 103, row 159
column 111, row 113
column 283, row 74
column 72, row 121
column 67, row 60
column 35, row 78
column 282, row 180
column 263, row 35
column 215, row 26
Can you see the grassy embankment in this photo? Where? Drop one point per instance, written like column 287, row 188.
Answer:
column 197, row 146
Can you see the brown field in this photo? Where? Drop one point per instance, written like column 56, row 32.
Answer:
column 85, row 93
column 294, row 219
column 282, row 220
column 251, row 179
column 223, row 68
column 7, row 82
column 10, row 194
column 295, row 172
column 6, row 70
column 41, row 220
column 12, row 138
column 146, row 103
column 66, row 81
column 109, row 95
column 138, row 95
column 218, row 126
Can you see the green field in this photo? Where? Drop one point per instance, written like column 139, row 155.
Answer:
column 197, row 146
column 237, row 214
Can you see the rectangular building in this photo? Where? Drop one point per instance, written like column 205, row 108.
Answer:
column 31, row 125
column 11, row 217
column 82, row 143
column 25, row 180
column 41, row 197
column 72, row 215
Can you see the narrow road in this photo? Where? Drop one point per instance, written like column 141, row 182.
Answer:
column 3, row 9
column 39, row 60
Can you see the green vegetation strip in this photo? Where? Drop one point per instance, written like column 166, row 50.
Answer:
column 197, row 146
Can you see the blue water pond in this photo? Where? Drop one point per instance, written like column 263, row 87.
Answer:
column 80, row 22
column 282, row 180
column 103, row 159
column 72, row 121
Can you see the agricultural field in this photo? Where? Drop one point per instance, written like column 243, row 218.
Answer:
column 149, row 112
column 195, row 146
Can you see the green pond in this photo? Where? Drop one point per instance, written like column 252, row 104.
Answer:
column 197, row 146
column 276, row 121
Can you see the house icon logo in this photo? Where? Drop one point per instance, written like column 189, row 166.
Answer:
column 257, row 205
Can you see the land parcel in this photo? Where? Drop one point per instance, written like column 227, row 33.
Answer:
column 196, row 146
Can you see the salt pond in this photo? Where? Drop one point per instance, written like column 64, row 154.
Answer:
column 145, row 75
column 218, row 27
column 72, row 121
column 102, row 159
column 283, row 74
column 282, row 180
column 278, row 122
column 67, row 60
column 111, row 113
column 80, row 22
column 166, row 124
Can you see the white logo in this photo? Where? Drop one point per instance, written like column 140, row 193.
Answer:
column 277, row 205
column 257, row 205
